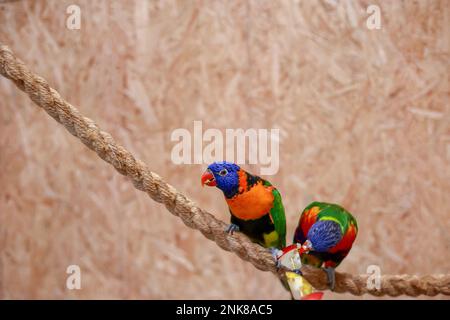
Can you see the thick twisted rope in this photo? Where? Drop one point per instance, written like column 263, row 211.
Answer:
column 194, row 217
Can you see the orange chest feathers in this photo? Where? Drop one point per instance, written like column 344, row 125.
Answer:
column 252, row 204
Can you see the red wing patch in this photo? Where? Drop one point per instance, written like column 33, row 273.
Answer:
column 347, row 241
column 308, row 218
column 329, row 264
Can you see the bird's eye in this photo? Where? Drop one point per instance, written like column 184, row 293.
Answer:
column 223, row 172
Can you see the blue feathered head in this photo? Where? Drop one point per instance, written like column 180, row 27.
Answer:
column 324, row 235
column 224, row 175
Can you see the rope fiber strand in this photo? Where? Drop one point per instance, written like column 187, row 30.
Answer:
column 179, row 205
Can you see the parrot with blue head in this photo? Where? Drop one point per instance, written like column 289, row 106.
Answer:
column 255, row 205
column 326, row 232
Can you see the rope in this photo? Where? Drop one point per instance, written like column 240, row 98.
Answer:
column 179, row 205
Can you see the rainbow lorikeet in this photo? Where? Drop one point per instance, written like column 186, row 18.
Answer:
column 255, row 205
column 326, row 232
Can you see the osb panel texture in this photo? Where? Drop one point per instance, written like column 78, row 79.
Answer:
column 364, row 118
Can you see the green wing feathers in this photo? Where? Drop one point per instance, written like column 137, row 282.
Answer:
column 278, row 217
column 334, row 212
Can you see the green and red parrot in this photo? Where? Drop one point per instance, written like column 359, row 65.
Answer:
column 326, row 232
column 255, row 205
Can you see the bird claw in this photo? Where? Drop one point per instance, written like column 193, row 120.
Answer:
column 331, row 277
column 231, row 228
column 278, row 264
column 275, row 252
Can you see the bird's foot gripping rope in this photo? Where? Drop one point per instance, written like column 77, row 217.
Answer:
column 194, row 217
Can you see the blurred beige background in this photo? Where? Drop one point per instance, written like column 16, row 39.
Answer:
column 364, row 118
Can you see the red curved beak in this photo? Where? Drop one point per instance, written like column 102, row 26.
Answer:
column 208, row 179
column 305, row 248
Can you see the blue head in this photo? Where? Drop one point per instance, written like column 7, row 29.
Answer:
column 324, row 235
column 224, row 175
